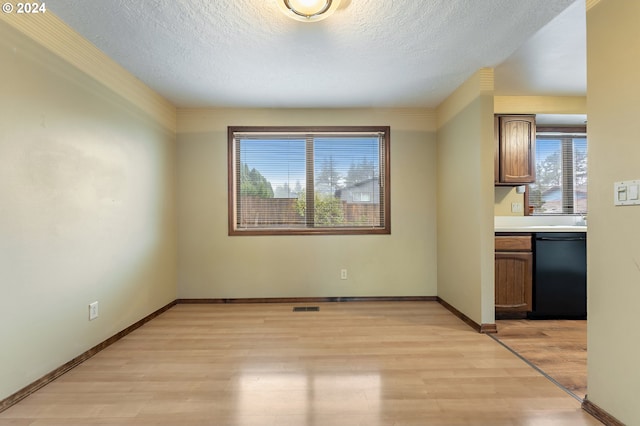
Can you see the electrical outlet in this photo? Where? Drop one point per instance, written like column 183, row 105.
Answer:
column 93, row 311
column 343, row 274
column 516, row 207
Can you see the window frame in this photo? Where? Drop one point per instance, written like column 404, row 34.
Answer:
column 566, row 149
column 385, row 181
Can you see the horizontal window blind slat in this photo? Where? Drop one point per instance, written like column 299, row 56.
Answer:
column 303, row 135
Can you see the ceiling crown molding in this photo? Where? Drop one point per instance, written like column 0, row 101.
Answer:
column 591, row 3
column 53, row 34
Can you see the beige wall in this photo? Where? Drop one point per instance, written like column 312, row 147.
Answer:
column 504, row 196
column 540, row 105
column 87, row 196
column 214, row 265
column 613, row 250
column 465, row 198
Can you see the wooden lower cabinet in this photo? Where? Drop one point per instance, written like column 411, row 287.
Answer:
column 513, row 281
column 513, row 275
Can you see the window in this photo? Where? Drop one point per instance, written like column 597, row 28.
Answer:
column 321, row 180
column 561, row 172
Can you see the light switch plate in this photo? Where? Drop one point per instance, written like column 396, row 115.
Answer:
column 625, row 193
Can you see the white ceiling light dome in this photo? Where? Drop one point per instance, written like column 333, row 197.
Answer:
column 308, row 10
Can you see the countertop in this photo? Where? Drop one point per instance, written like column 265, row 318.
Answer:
column 541, row 223
column 542, row 228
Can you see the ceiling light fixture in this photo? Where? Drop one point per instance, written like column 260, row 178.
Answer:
column 308, row 10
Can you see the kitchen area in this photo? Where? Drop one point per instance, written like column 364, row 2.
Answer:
column 540, row 216
column 541, row 267
column 540, row 226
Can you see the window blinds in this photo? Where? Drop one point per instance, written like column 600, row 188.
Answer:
column 561, row 174
column 309, row 181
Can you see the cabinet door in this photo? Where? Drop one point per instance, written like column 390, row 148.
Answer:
column 517, row 135
column 513, row 281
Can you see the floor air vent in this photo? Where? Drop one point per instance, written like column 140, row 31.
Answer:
column 306, row 308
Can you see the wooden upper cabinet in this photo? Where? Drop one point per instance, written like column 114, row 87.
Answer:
column 515, row 149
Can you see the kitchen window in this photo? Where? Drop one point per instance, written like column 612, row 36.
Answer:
column 299, row 180
column 561, row 172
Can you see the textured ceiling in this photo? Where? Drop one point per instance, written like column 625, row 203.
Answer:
column 370, row 53
column 552, row 62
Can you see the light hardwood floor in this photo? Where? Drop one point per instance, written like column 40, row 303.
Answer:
column 557, row 347
column 391, row 363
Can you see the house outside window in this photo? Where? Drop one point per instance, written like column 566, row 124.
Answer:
column 561, row 172
column 320, row 180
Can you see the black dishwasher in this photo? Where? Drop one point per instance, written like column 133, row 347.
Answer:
column 560, row 276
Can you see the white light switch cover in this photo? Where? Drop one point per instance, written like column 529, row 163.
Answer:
column 625, row 193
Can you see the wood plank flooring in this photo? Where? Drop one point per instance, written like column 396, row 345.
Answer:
column 368, row 363
column 564, row 357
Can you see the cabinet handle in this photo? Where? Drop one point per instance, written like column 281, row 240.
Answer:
column 560, row 239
